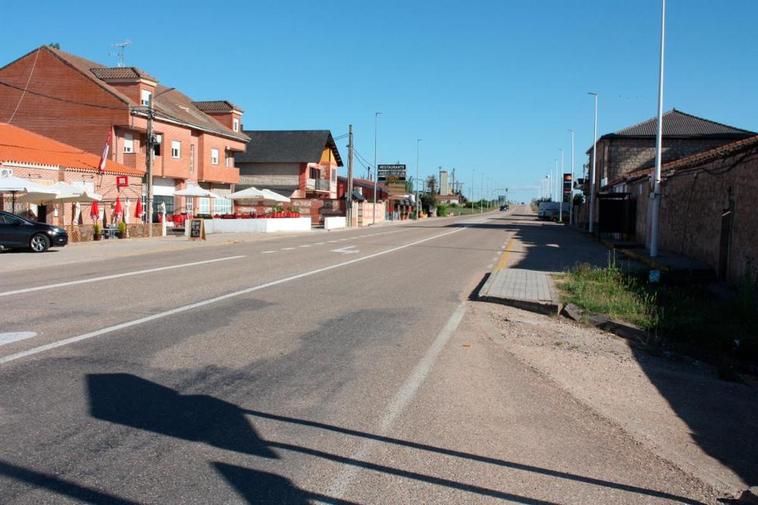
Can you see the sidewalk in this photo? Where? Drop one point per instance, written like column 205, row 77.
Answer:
column 534, row 251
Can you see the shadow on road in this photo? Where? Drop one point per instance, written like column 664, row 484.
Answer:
column 138, row 403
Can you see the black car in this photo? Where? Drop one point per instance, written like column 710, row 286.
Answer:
column 19, row 233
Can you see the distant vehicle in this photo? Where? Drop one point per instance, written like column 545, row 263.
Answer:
column 504, row 207
column 550, row 211
column 17, row 232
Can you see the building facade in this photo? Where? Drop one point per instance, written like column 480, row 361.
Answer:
column 85, row 104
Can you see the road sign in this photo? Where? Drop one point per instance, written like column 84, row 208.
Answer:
column 396, row 172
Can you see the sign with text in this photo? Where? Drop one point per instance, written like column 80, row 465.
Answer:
column 394, row 172
column 122, row 181
column 197, row 229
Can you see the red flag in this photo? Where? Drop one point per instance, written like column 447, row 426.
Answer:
column 94, row 211
column 106, row 150
column 117, row 209
column 138, row 209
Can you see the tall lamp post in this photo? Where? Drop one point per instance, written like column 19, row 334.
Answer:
column 560, row 188
column 418, row 157
column 592, row 171
column 376, row 169
column 571, row 194
column 656, row 203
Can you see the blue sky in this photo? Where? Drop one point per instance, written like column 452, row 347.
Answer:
column 490, row 86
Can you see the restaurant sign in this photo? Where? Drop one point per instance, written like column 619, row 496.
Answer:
column 391, row 172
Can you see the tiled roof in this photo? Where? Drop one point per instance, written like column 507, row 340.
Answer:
column 22, row 146
column 680, row 124
column 211, row 106
column 287, row 146
column 173, row 104
column 698, row 159
column 121, row 73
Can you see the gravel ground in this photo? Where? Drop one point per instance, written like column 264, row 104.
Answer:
column 674, row 406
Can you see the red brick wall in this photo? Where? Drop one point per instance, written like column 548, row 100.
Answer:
column 80, row 117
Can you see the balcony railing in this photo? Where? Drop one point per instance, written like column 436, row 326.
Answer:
column 317, row 184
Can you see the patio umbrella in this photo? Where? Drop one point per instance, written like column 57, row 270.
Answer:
column 251, row 193
column 195, row 190
column 31, row 190
column 138, row 209
column 94, row 211
column 274, row 196
column 73, row 193
column 117, row 209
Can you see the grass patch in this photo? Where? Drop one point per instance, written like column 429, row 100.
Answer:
column 687, row 317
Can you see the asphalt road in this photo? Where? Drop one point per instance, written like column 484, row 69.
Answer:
column 337, row 368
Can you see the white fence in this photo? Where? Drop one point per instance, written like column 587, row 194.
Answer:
column 283, row 224
column 335, row 222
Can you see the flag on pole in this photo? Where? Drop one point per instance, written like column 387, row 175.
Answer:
column 106, row 151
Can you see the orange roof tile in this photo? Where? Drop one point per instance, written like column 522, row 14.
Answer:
column 22, row 146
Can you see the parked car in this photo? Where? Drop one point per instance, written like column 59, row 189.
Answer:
column 17, row 232
column 504, row 207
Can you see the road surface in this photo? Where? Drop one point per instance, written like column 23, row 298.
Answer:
column 344, row 367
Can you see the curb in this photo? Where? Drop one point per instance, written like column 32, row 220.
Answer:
column 636, row 256
column 546, row 308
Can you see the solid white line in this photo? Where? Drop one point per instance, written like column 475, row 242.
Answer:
column 209, row 301
column 399, row 402
column 117, row 276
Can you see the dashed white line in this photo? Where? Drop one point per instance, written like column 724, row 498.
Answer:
column 210, row 301
column 288, row 248
column 15, row 336
column 268, row 252
column 117, row 276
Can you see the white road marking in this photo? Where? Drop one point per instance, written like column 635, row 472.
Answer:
column 319, row 243
column 347, row 250
column 399, row 402
column 268, row 252
column 209, row 301
column 305, row 245
column 117, row 276
column 15, row 336
column 288, row 248
column 489, row 267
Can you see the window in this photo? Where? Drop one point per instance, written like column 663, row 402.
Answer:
column 236, row 124
column 214, row 156
column 128, row 143
column 176, row 149
column 229, row 159
column 145, row 97
column 315, row 173
column 222, row 206
column 157, row 145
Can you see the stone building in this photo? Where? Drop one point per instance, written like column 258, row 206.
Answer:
column 709, row 208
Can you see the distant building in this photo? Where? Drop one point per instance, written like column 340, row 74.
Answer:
column 444, row 183
column 299, row 164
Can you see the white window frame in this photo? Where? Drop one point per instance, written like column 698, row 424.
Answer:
column 128, row 143
column 235, row 124
column 176, row 149
column 145, row 95
column 214, row 156
column 229, row 161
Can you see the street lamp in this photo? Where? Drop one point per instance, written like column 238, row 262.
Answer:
column 571, row 194
column 594, row 164
column 656, row 202
column 560, row 188
column 376, row 169
column 418, row 157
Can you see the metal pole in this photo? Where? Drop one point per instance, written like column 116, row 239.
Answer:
column 560, row 189
column 481, row 187
column 376, row 170
column 149, row 163
column 571, row 195
column 658, row 143
column 473, row 177
column 418, row 157
column 592, row 174
column 349, row 192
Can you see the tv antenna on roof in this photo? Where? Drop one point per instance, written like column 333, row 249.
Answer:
column 120, row 46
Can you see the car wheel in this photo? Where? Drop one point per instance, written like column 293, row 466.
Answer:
column 39, row 243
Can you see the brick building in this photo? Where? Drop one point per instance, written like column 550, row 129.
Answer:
column 46, row 161
column 81, row 103
column 708, row 207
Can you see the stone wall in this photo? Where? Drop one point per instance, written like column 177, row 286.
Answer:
column 693, row 203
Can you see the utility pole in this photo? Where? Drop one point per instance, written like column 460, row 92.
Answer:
column 149, row 166
column 418, row 158
column 571, row 195
column 473, row 176
column 481, row 192
column 656, row 203
column 349, row 191
column 594, row 165
column 376, row 169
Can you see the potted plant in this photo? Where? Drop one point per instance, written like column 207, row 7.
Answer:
column 121, row 229
column 97, row 231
